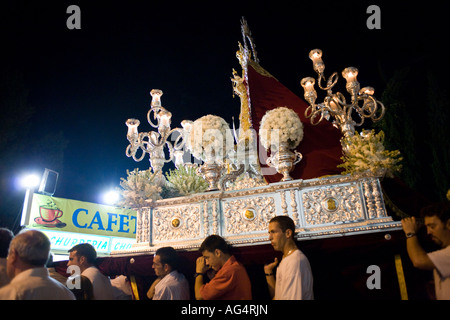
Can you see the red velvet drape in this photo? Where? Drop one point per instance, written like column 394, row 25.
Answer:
column 320, row 147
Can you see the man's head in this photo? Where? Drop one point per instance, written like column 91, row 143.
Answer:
column 29, row 249
column 281, row 232
column 6, row 236
column 216, row 251
column 165, row 261
column 437, row 220
column 82, row 255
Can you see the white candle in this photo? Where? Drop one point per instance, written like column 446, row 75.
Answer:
column 316, row 57
column 164, row 118
column 352, row 84
column 310, row 93
column 132, row 125
column 308, row 84
column 178, row 154
column 350, row 74
column 156, row 97
column 367, row 90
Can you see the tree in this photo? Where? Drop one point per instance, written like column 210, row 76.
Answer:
column 416, row 123
column 439, row 138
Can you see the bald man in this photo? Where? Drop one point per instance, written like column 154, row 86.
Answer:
column 25, row 266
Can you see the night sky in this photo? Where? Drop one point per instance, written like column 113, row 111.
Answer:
column 82, row 85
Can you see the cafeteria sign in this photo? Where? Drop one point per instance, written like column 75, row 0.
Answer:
column 66, row 215
column 63, row 241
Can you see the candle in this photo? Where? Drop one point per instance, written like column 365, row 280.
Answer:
column 310, row 93
column 187, row 125
column 352, row 86
column 156, row 97
column 308, row 84
column 178, row 154
column 367, row 90
column 316, row 57
column 132, row 125
column 350, row 74
column 369, row 103
column 164, row 118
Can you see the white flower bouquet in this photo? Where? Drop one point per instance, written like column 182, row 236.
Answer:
column 280, row 125
column 366, row 151
column 138, row 187
column 210, row 138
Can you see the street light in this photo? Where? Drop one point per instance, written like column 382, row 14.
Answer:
column 48, row 182
column 30, row 182
column 47, row 185
column 110, row 197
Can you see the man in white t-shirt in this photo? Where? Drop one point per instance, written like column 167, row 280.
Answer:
column 294, row 279
column 437, row 221
column 84, row 256
column 170, row 284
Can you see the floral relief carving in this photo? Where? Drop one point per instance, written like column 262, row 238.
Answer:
column 319, row 207
column 247, row 215
column 176, row 223
column 332, row 205
column 143, row 225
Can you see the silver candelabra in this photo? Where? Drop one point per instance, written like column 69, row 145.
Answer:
column 154, row 142
column 335, row 104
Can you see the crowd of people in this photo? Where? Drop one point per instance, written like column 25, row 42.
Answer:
column 24, row 274
column 219, row 275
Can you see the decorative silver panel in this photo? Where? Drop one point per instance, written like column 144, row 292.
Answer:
column 332, row 204
column 245, row 216
column 175, row 224
column 326, row 207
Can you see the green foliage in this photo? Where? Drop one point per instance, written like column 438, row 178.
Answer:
column 439, row 142
column 398, row 125
column 139, row 186
column 416, row 123
column 366, row 151
column 186, row 181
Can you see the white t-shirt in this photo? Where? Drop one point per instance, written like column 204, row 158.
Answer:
column 122, row 288
column 101, row 284
column 173, row 286
column 441, row 260
column 294, row 279
column 35, row 284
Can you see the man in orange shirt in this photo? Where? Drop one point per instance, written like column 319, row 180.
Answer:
column 231, row 281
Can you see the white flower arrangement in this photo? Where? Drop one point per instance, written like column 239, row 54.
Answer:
column 186, row 181
column 210, row 138
column 280, row 125
column 366, row 151
column 138, row 187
